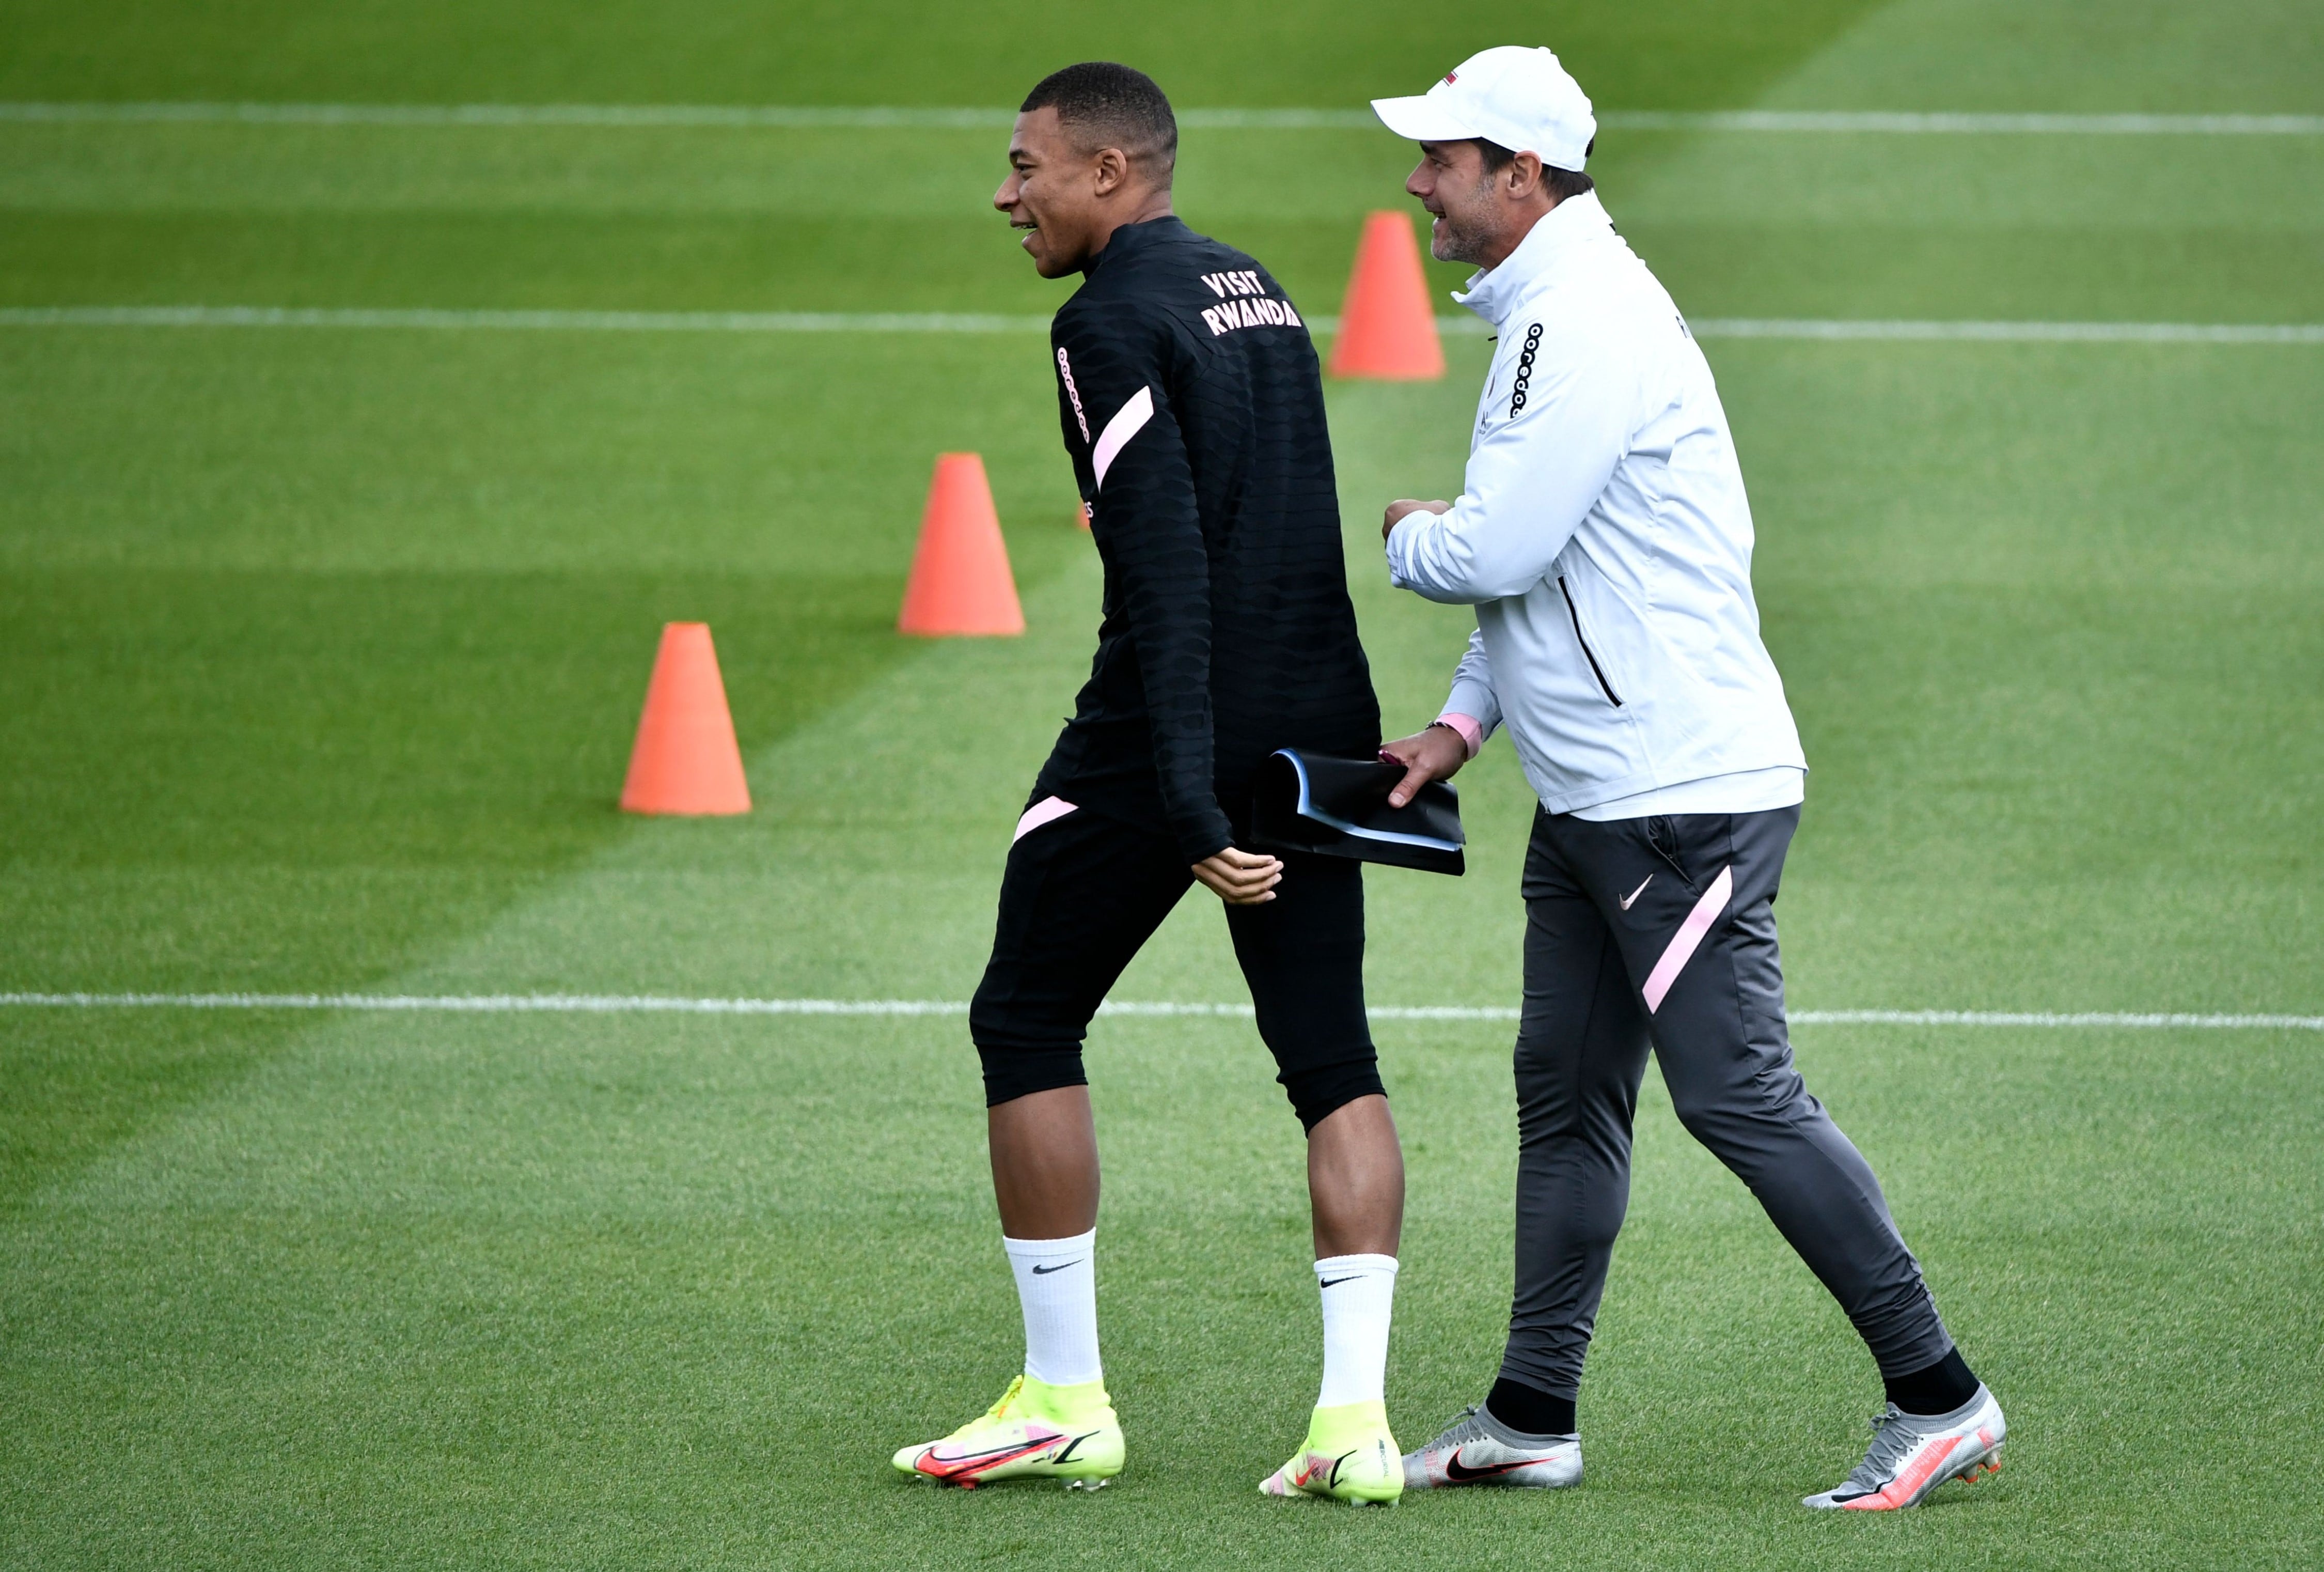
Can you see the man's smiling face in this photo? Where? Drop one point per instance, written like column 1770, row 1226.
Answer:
column 1050, row 193
column 1452, row 183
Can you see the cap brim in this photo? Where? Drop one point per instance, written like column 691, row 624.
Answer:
column 1423, row 119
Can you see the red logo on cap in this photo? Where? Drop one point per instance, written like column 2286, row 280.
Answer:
column 1452, row 76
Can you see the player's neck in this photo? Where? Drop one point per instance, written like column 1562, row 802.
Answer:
column 1151, row 204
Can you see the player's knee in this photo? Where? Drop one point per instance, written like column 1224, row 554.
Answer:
column 1730, row 1117
column 1541, row 1053
column 1705, row 1113
column 1319, row 1091
column 1025, row 1046
column 1019, row 1069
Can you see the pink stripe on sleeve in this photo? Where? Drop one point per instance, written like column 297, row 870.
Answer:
column 1690, row 934
column 1127, row 423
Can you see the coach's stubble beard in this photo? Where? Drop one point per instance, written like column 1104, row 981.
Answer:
column 1462, row 231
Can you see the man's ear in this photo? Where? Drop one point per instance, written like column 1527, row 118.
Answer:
column 1111, row 171
column 1523, row 175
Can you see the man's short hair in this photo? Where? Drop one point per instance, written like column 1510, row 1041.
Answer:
column 1104, row 105
column 1561, row 183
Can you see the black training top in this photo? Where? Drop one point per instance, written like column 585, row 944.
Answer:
column 1194, row 411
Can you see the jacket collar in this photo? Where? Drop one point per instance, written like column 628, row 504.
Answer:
column 1134, row 237
column 1495, row 293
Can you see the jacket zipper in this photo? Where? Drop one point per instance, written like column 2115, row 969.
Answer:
column 1587, row 655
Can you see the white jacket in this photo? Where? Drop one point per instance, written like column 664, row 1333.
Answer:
column 1603, row 536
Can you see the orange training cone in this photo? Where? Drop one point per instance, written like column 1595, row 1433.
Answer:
column 686, row 759
column 1387, row 328
column 960, row 584
column 1080, row 515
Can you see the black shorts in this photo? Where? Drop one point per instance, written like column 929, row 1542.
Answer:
column 1084, row 893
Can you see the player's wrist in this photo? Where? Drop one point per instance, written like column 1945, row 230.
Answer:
column 1463, row 752
column 1465, row 729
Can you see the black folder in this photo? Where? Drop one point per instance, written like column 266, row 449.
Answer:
column 1338, row 807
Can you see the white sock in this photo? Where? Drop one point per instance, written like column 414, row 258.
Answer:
column 1359, row 1294
column 1057, row 1285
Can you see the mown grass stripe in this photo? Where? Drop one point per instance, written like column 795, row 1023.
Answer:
column 875, row 117
column 674, row 1004
column 993, row 322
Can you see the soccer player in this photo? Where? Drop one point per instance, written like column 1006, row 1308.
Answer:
column 1604, row 537
column 1192, row 407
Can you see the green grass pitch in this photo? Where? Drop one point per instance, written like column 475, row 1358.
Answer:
column 320, row 652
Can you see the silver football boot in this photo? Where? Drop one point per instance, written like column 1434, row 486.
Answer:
column 1478, row 1449
column 1911, row 1454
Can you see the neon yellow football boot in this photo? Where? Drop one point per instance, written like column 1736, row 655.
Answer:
column 1349, row 1456
column 1036, row 1431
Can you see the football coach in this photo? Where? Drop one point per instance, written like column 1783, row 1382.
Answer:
column 1603, row 538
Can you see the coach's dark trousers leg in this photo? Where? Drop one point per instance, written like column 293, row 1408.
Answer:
column 1580, row 1052
column 1699, row 942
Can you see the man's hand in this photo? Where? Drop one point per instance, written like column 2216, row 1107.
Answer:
column 1403, row 505
column 1240, row 878
column 1434, row 754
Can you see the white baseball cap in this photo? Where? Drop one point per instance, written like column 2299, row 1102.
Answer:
column 1519, row 97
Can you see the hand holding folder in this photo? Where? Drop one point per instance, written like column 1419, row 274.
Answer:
column 1304, row 802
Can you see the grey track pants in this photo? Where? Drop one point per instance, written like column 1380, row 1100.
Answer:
column 1663, row 930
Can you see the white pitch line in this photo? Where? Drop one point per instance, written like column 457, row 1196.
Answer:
column 2160, row 1021
column 944, row 322
column 875, row 117
column 673, row 1004
column 774, row 116
column 2013, row 332
column 1911, row 124
column 521, row 321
